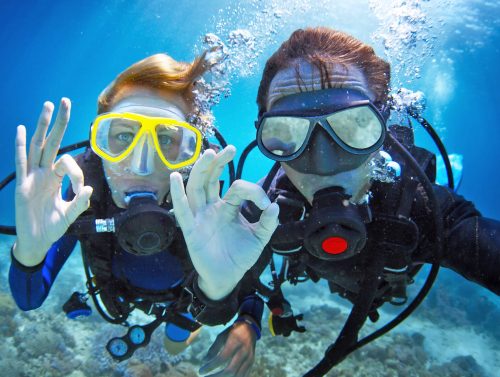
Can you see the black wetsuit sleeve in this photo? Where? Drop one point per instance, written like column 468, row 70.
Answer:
column 216, row 312
column 472, row 246
column 222, row 311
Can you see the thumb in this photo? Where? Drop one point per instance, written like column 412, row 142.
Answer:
column 79, row 204
column 215, row 348
column 300, row 329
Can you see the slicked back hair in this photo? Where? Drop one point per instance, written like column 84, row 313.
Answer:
column 322, row 46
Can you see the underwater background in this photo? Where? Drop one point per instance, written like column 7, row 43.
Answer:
column 448, row 50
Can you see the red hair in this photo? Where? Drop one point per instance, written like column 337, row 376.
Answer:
column 322, row 46
column 159, row 72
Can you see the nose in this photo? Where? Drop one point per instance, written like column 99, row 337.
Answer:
column 143, row 156
column 324, row 153
column 323, row 156
column 322, row 148
column 329, row 156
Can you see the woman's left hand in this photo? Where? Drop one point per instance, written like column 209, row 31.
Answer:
column 233, row 349
column 222, row 244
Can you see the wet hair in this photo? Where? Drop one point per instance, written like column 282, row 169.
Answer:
column 322, row 47
column 159, row 72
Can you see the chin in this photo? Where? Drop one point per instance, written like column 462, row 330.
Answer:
column 119, row 200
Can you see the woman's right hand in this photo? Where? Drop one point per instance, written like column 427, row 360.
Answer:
column 42, row 215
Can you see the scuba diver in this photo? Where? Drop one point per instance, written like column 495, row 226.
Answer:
column 358, row 203
column 144, row 203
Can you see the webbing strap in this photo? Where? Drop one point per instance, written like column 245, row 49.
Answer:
column 362, row 306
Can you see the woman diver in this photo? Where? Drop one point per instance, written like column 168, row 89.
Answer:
column 147, row 141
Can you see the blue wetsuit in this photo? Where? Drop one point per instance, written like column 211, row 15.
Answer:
column 150, row 274
column 31, row 285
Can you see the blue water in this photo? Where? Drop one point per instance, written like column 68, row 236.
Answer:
column 51, row 49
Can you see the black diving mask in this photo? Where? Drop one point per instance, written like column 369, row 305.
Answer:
column 321, row 132
column 144, row 228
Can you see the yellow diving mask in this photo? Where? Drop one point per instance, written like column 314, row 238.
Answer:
column 115, row 135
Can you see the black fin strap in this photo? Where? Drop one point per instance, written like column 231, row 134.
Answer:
column 348, row 337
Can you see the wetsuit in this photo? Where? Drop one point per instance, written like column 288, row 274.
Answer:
column 471, row 242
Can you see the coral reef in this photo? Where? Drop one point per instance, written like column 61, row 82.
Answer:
column 431, row 343
column 8, row 308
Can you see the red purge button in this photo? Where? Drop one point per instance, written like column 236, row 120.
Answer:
column 277, row 311
column 334, row 245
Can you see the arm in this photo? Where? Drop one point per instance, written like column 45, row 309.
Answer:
column 31, row 285
column 234, row 348
column 472, row 242
column 42, row 213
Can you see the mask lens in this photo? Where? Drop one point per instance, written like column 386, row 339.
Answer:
column 114, row 135
column 358, row 127
column 177, row 144
column 283, row 136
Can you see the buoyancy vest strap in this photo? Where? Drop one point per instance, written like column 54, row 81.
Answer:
column 347, row 341
column 349, row 335
column 114, row 318
column 270, row 176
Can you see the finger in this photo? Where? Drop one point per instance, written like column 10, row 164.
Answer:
column 236, row 368
column 242, row 190
column 182, row 211
column 212, row 187
column 299, row 317
column 238, row 365
column 67, row 165
column 195, row 187
column 267, row 223
column 212, row 364
column 216, row 346
column 222, row 357
column 246, row 367
column 79, row 204
column 53, row 141
column 38, row 139
column 222, row 373
column 20, row 157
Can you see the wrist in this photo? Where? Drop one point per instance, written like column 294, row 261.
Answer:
column 25, row 256
column 250, row 321
column 215, row 293
column 22, row 267
column 252, row 306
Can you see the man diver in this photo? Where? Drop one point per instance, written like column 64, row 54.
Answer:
column 358, row 206
column 148, row 134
